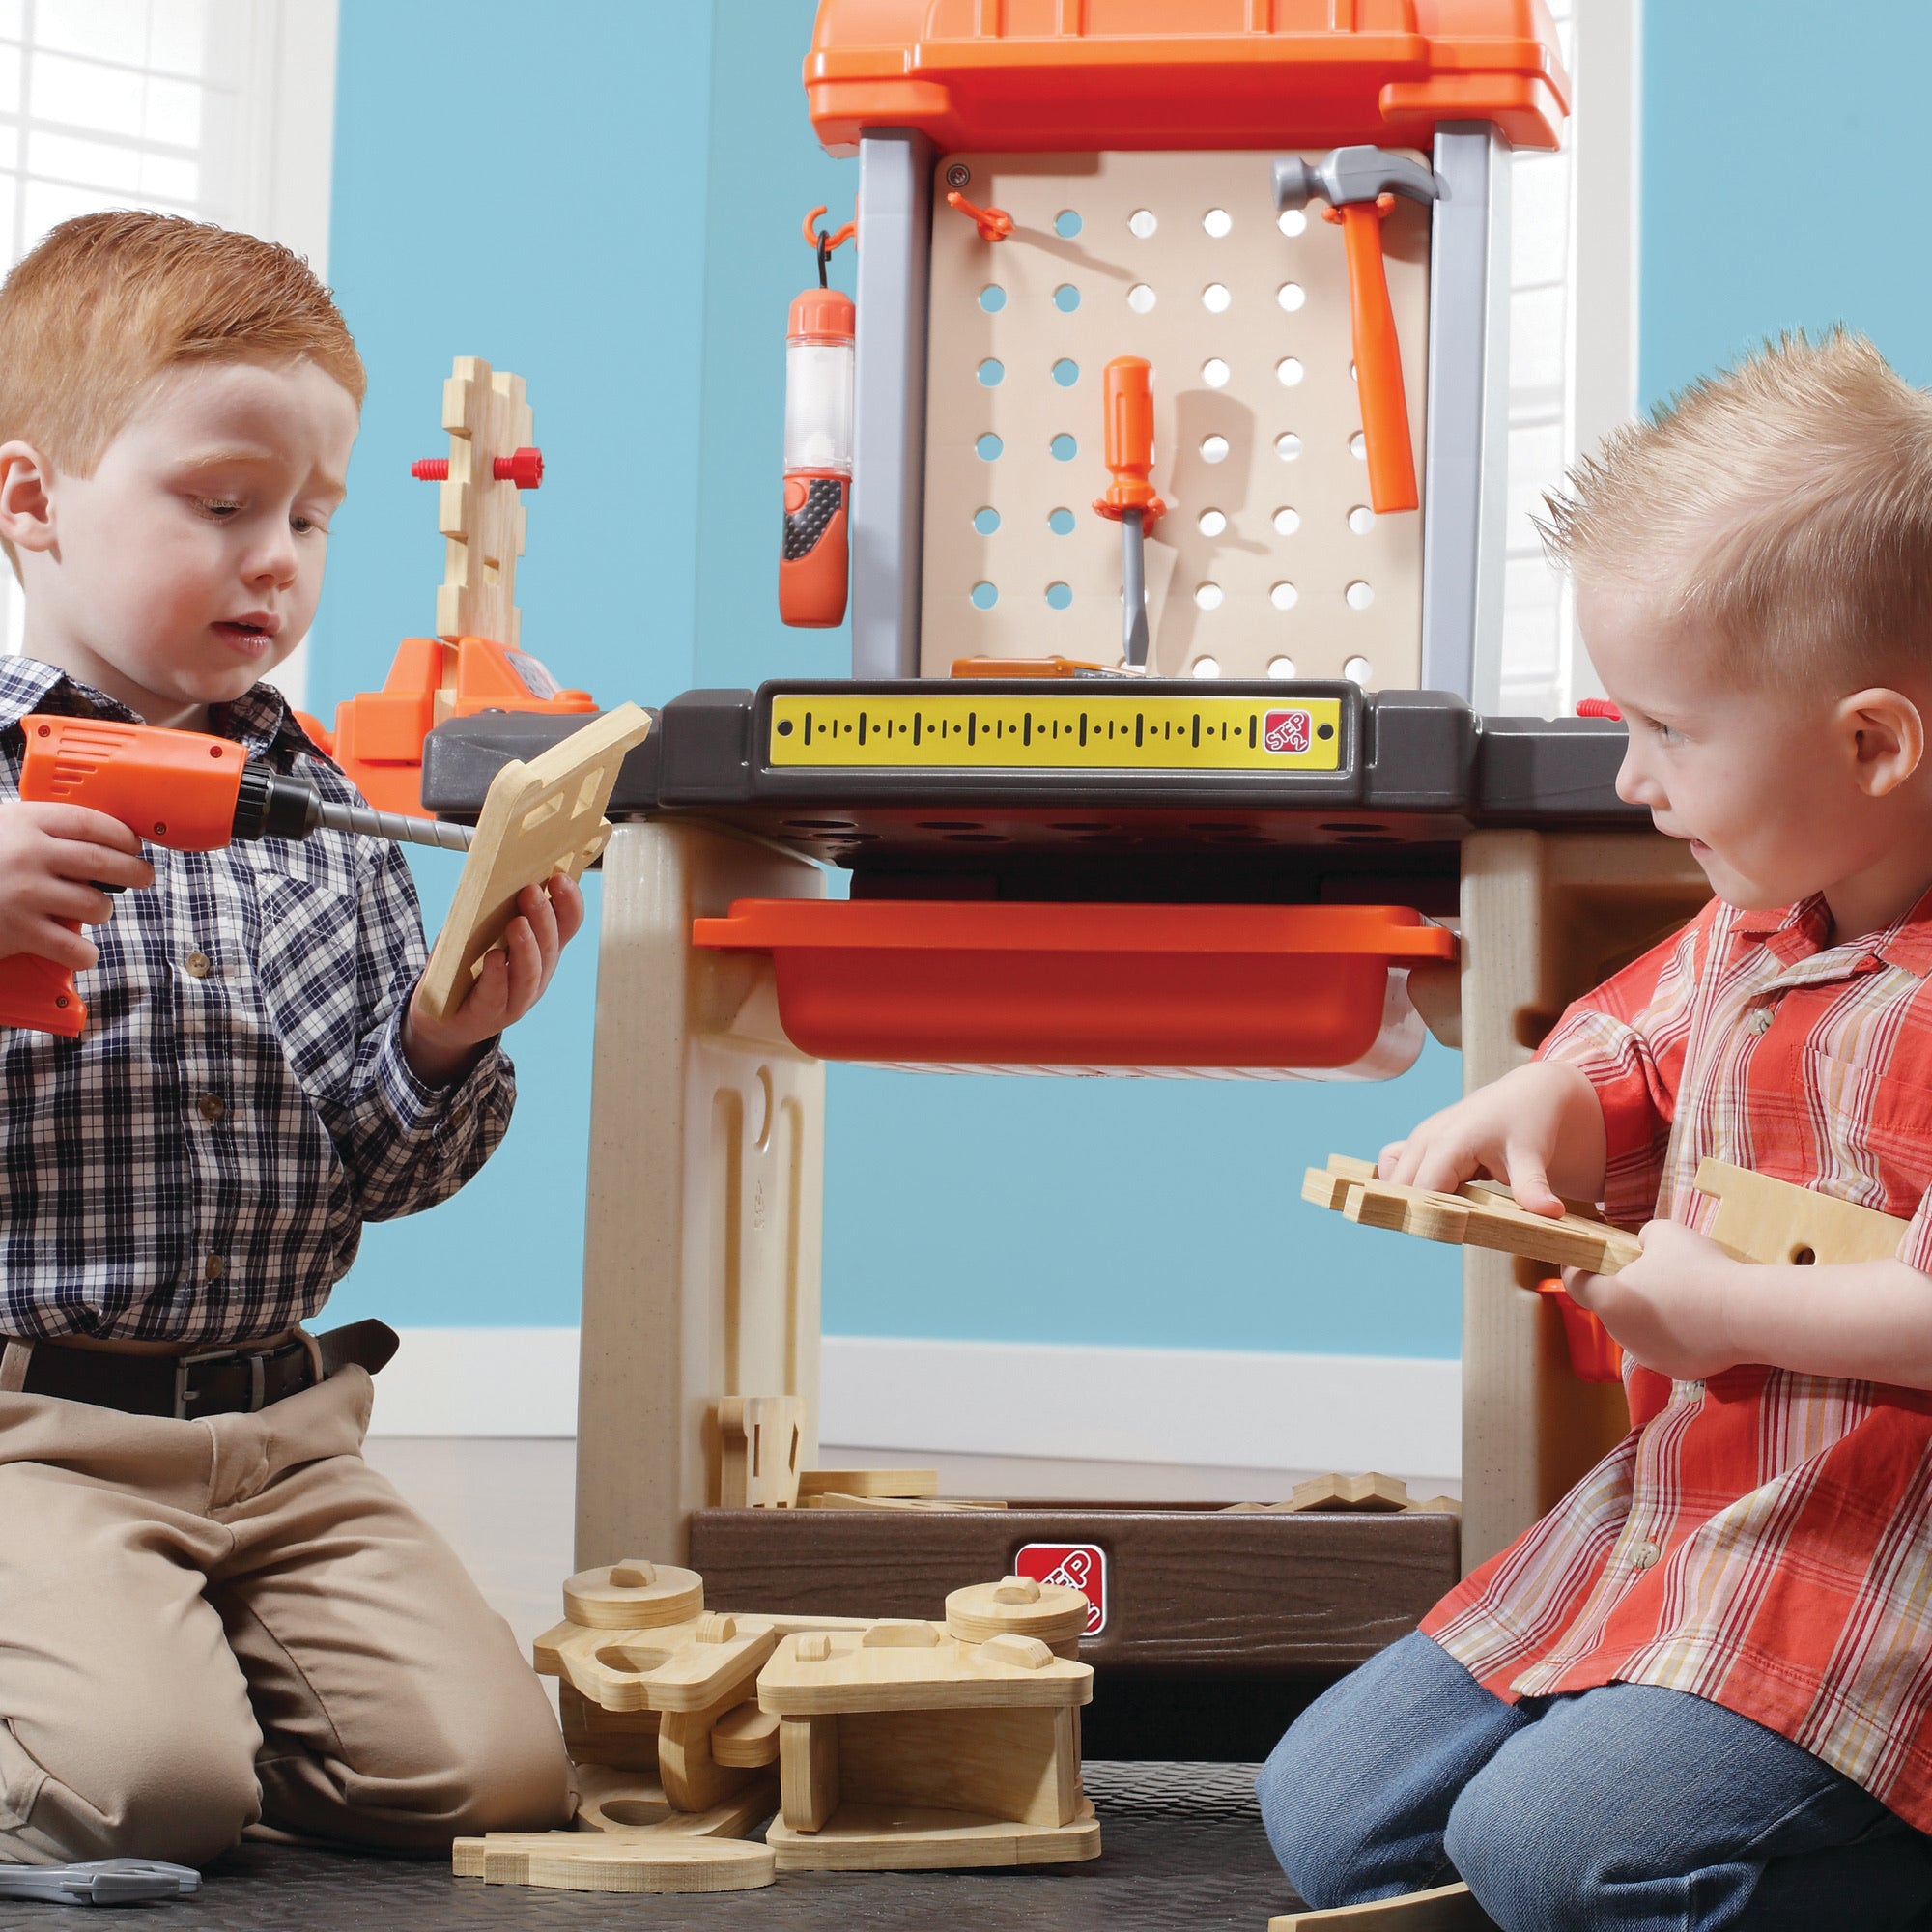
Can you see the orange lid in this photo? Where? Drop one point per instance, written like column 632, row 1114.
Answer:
column 820, row 315
column 1183, row 73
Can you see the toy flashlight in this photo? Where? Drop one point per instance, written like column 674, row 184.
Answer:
column 819, row 347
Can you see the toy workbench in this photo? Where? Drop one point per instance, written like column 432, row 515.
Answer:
column 1171, row 524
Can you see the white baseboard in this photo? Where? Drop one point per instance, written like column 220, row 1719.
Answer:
column 1207, row 1407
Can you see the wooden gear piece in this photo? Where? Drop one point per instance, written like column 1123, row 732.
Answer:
column 537, row 819
column 1443, row 1908
column 759, row 1437
column 487, row 415
column 652, row 1860
column 905, row 1749
column 1057, row 1614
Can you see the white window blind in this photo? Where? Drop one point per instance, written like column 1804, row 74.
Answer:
column 220, row 109
column 1573, row 333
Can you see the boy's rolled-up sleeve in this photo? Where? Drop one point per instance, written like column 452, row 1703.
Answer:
column 407, row 1145
column 1627, row 1038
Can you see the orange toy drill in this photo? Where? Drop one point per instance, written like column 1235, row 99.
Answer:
column 175, row 788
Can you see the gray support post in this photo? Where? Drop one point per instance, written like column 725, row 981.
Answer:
column 1466, row 453
column 889, row 417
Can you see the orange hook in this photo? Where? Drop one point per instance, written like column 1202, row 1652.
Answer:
column 994, row 224
column 816, row 240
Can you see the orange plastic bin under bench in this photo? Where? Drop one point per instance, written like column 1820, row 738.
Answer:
column 992, row 984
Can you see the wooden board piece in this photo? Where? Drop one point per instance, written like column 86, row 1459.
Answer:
column 808, row 1772
column 893, row 1485
column 1329, row 1187
column 694, row 1780
column 1371, row 1492
column 1056, row 1613
column 887, row 1837
column 1443, row 1908
column 747, row 1735
column 624, row 1740
column 487, row 415
column 537, row 819
column 614, row 1799
column 759, row 1437
column 614, row 1862
column 1021, row 1765
column 946, row 1674
column 648, row 1594
column 1774, row 1222
column 831, row 1500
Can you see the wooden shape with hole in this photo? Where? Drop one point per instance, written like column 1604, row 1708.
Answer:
column 537, row 819
column 1772, row 1221
column 638, row 1861
column 487, row 415
column 759, row 1439
column 1442, row 1908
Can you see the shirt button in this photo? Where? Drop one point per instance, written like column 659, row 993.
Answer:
column 213, row 1106
column 1760, row 1021
column 214, row 1266
column 198, row 964
column 1644, row 1555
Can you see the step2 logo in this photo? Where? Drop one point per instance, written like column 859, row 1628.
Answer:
column 1289, row 732
column 1080, row 1564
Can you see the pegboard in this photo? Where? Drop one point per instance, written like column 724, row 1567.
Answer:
column 1269, row 562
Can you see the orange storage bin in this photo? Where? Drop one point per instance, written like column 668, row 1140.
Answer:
column 1595, row 1355
column 981, row 983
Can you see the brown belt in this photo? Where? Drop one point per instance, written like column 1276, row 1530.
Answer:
column 214, row 1382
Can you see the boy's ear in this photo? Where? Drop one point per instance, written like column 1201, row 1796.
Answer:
column 26, row 504
column 1883, row 730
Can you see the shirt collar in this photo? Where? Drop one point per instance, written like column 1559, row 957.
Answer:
column 260, row 718
column 1794, row 933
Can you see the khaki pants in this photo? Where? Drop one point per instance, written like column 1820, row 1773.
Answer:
column 207, row 1624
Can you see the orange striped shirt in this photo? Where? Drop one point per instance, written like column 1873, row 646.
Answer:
column 1762, row 1539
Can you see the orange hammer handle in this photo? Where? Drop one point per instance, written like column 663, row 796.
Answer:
column 1378, row 385
column 1127, row 403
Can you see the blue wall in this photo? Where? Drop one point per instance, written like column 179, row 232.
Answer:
column 630, row 247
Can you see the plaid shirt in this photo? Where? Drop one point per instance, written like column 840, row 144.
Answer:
column 197, row 1166
column 1762, row 1539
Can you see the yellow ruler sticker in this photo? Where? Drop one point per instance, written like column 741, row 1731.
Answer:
column 1082, row 731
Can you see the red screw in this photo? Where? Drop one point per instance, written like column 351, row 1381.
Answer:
column 526, row 468
column 1597, row 707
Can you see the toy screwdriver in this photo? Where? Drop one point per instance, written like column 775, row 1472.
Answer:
column 182, row 789
column 1131, row 499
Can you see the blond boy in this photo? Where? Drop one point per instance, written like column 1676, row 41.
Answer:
column 213, row 1614
column 1700, row 1693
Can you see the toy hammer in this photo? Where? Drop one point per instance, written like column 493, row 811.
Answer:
column 1360, row 184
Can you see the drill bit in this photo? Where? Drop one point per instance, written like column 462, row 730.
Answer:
column 1133, row 589
column 393, row 825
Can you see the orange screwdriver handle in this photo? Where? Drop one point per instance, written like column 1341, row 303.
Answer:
column 1127, row 400
column 1378, row 385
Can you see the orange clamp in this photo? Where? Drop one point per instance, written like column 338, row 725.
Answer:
column 1128, row 406
column 1378, row 385
column 994, row 224
column 836, row 239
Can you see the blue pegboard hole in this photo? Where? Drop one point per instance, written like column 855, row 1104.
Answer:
column 1060, row 523
column 985, row 596
column 1066, row 224
column 1214, row 298
column 1142, row 222
column 1213, row 448
column 1292, row 222
column 1360, row 595
column 1288, row 371
column 1063, row 447
column 1359, row 669
column 1215, row 373
column 1217, row 221
column 1206, row 667
column 991, row 370
column 1067, row 372
column 1208, row 596
column 1362, row 520
column 992, row 298
column 1066, row 297
column 1284, row 596
column 986, row 520
column 1358, row 447
column 1290, row 295
column 1211, row 522
column 1140, row 299
column 1287, row 522
column 1059, row 595
column 989, row 447
column 1288, row 446
column 1280, row 667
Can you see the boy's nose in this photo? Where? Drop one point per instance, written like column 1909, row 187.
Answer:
column 1635, row 786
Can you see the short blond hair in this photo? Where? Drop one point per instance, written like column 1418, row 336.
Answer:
column 107, row 301
column 1784, row 504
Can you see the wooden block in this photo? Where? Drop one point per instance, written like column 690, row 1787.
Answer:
column 1056, row 1613
column 825, row 1500
column 1020, row 1765
column 694, row 1778
column 808, row 1771
column 537, row 819
column 614, row 1799
column 1437, row 1506
column 808, row 1676
column 891, row 1837
column 759, row 1437
column 1371, row 1492
column 1445, row 1908
column 487, row 415
column 614, row 1862
column 893, row 1485
column 594, row 1736
column 1774, row 1222
column 632, row 1595
column 747, row 1737
column 1329, row 1187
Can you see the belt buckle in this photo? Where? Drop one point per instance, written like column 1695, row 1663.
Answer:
column 257, row 1377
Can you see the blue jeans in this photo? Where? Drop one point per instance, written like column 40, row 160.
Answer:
column 1621, row 1809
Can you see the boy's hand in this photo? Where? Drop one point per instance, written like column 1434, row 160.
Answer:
column 1544, row 1119
column 511, row 983
column 50, row 856
column 1671, row 1307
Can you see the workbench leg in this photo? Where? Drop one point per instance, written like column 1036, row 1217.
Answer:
column 1545, row 916
column 701, row 1235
